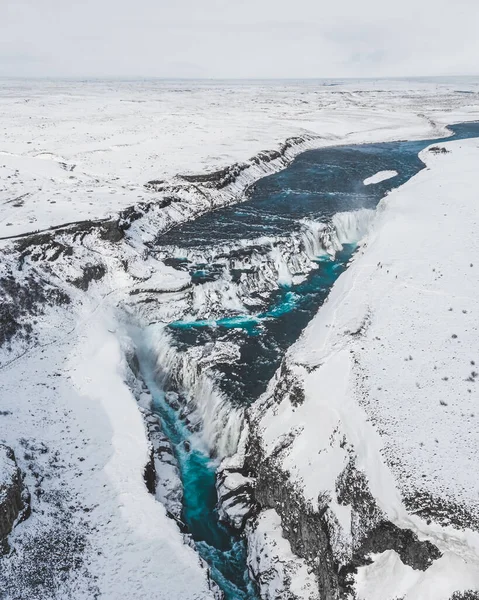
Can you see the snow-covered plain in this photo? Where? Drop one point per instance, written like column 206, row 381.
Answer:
column 82, row 150
column 81, row 440
column 73, row 151
column 388, row 368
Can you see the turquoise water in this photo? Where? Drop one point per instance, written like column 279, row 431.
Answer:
column 263, row 337
column 318, row 184
column 224, row 551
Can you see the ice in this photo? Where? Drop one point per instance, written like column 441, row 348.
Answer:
column 74, row 151
column 379, row 176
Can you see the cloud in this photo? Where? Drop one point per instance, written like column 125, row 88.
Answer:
column 247, row 38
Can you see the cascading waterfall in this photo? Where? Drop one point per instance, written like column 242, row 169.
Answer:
column 234, row 279
column 191, row 371
column 222, row 551
column 202, row 424
column 206, row 410
column 328, row 238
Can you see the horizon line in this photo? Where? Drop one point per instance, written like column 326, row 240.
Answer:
column 212, row 79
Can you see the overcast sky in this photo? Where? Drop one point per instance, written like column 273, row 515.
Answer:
column 238, row 38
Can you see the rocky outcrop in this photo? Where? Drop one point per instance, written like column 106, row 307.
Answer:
column 22, row 300
column 253, row 486
column 222, row 178
column 235, row 498
column 90, row 273
column 161, row 473
column 304, row 528
column 279, row 575
column 14, row 497
column 168, row 486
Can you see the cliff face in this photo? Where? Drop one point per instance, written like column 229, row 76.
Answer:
column 14, row 497
column 314, row 533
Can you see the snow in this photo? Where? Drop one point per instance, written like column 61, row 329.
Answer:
column 163, row 279
column 154, row 540
column 387, row 578
column 233, row 508
column 8, row 471
column 86, row 437
column 84, row 149
column 388, row 368
column 279, row 573
column 379, row 176
column 74, row 151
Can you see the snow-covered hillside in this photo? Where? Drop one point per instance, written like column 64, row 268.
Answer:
column 379, row 446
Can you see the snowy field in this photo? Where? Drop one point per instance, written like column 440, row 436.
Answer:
column 73, row 151
column 81, row 150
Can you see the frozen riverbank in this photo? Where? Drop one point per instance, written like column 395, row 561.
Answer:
column 387, row 370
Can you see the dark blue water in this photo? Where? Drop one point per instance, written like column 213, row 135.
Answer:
column 318, row 184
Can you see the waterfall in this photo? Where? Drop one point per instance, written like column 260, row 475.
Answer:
column 240, row 275
column 344, row 228
column 207, row 411
column 241, row 279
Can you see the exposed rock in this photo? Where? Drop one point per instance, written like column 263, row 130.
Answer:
column 14, row 497
column 218, row 179
column 235, row 498
column 289, row 384
column 22, row 299
column 111, row 231
column 161, row 474
column 278, row 574
column 305, row 529
column 372, row 532
column 90, row 273
column 438, row 150
column 149, row 474
column 441, row 510
column 313, row 534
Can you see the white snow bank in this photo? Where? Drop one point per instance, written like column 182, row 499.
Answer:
column 163, row 279
column 387, row 578
column 388, row 364
column 8, row 468
column 147, row 545
column 379, row 176
column 8, row 471
column 70, row 401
